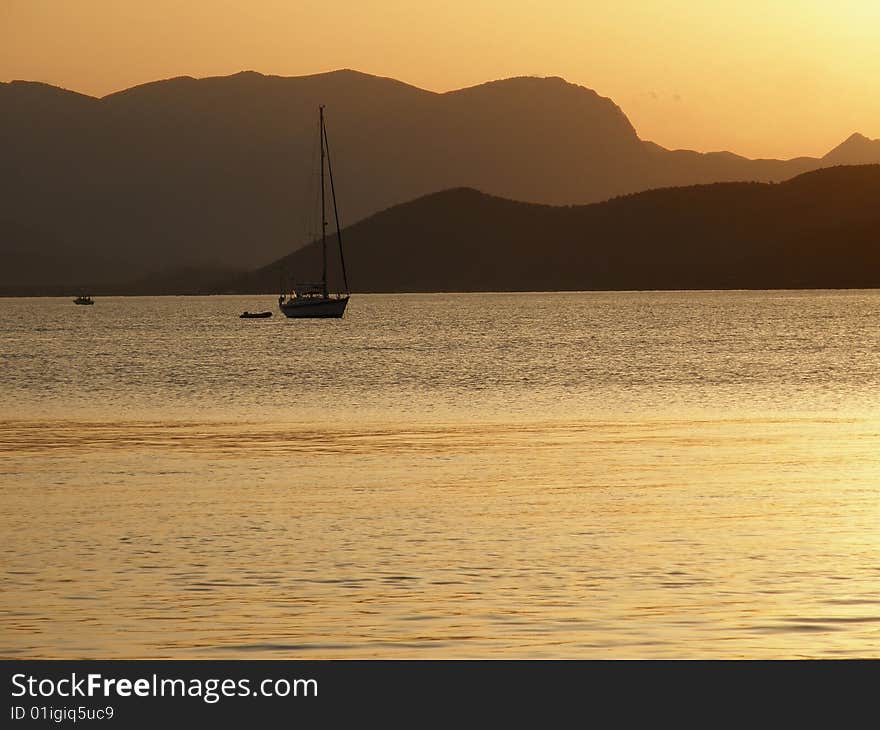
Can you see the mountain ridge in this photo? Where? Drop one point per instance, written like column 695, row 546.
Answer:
column 854, row 148
column 215, row 172
column 820, row 229
column 249, row 73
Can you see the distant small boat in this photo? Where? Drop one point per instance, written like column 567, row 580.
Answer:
column 83, row 300
column 254, row 315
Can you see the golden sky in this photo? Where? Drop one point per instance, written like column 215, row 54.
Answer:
column 762, row 78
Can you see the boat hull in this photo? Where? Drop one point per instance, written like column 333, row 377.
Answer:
column 314, row 308
column 254, row 315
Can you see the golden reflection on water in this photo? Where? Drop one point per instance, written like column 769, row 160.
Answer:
column 509, row 538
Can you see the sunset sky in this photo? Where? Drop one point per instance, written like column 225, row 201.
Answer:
column 758, row 77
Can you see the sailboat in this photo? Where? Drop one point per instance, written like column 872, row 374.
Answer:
column 315, row 300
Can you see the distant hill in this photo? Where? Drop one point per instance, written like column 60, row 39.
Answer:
column 215, row 173
column 818, row 230
column 855, row 150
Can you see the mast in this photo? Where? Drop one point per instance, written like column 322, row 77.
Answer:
column 335, row 211
column 323, row 214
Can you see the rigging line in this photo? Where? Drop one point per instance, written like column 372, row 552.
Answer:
column 335, row 210
column 323, row 213
column 311, row 202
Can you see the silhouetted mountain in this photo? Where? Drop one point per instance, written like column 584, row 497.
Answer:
column 818, row 230
column 855, row 150
column 215, row 173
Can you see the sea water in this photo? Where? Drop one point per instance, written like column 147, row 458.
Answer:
column 562, row 475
